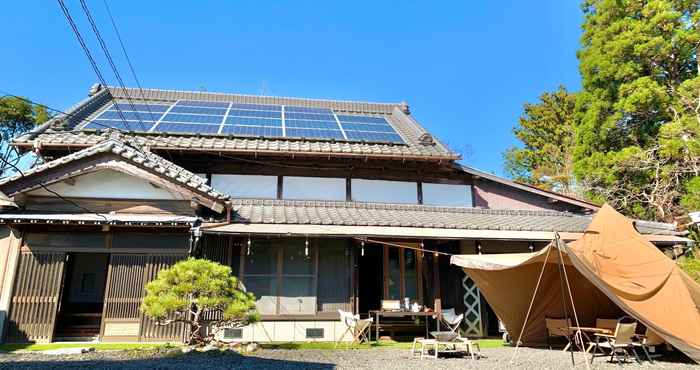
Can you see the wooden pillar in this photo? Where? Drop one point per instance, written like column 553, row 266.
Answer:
column 436, row 279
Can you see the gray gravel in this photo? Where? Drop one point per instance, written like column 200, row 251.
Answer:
column 380, row 359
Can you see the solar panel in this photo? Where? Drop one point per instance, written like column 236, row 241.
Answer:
column 198, row 110
column 291, row 108
column 333, row 125
column 363, row 127
column 248, row 121
column 188, row 128
column 240, row 119
column 374, row 136
column 254, row 113
column 309, row 116
column 155, row 108
column 314, row 133
column 276, row 108
column 362, row 119
column 205, row 104
column 192, row 118
column 102, row 124
column 256, row 131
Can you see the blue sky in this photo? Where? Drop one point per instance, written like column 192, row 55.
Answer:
column 465, row 67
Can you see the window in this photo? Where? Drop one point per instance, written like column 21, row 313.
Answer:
column 401, row 274
column 447, row 195
column 316, row 188
column 382, row 191
column 282, row 276
column 246, row 186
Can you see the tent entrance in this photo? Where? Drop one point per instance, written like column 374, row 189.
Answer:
column 82, row 297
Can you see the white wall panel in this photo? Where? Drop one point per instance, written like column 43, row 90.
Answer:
column 447, row 195
column 314, row 188
column 246, row 186
column 383, row 191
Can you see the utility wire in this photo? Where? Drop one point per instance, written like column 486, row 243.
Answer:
column 165, row 143
column 87, row 52
column 108, row 55
column 126, row 56
column 53, row 192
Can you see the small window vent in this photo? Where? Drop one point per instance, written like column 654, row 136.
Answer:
column 230, row 333
column 314, row 333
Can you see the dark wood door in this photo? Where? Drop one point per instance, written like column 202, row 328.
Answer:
column 35, row 297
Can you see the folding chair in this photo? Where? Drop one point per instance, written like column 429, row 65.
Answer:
column 451, row 319
column 648, row 341
column 558, row 328
column 353, row 324
column 620, row 342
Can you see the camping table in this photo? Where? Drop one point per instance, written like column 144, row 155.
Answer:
column 591, row 330
column 380, row 313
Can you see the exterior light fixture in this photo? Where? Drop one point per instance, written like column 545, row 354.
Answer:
column 306, row 247
column 362, row 251
column 478, row 247
column 531, row 245
column 247, row 253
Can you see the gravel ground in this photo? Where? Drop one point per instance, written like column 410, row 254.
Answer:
column 380, row 359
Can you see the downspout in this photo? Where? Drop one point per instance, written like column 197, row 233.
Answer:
column 195, row 235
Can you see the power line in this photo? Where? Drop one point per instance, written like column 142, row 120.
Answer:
column 108, row 55
column 126, row 56
column 76, row 205
column 87, row 52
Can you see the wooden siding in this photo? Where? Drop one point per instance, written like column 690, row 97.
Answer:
column 150, row 331
column 36, row 297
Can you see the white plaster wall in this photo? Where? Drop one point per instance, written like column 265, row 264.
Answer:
column 108, row 184
column 293, row 331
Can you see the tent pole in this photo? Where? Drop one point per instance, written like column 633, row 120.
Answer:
column 564, row 307
column 578, row 338
column 529, row 309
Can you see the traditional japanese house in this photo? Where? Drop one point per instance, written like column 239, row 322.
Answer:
column 317, row 205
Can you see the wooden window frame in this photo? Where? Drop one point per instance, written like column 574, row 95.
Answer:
column 402, row 274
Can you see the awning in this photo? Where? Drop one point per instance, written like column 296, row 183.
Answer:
column 125, row 219
column 403, row 232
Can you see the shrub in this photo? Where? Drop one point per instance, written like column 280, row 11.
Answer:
column 189, row 288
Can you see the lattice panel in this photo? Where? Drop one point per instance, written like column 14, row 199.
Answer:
column 472, row 306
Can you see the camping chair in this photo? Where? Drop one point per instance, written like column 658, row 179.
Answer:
column 620, row 342
column 450, row 318
column 609, row 324
column 647, row 341
column 353, row 324
column 558, row 328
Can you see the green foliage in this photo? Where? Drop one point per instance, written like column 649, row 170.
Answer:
column 546, row 130
column 637, row 129
column 17, row 117
column 691, row 199
column 691, row 265
column 183, row 292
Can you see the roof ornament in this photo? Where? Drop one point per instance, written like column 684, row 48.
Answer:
column 94, row 89
column 426, row 139
column 404, row 108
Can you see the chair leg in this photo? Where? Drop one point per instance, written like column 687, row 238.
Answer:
column 636, row 356
column 566, row 347
column 341, row 337
column 646, row 353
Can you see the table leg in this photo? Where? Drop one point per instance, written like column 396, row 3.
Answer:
column 376, row 337
column 426, row 327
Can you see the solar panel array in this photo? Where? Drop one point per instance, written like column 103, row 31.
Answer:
column 256, row 120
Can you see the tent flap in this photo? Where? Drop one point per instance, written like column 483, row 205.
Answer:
column 612, row 270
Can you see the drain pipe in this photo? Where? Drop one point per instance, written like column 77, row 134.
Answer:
column 195, row 235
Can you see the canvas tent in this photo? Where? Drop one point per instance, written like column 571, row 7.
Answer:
column 612, row 271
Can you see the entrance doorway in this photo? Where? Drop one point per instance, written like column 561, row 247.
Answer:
column 82, row 297
column 370, row 279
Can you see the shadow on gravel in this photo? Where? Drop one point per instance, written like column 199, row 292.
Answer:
column 222, row 360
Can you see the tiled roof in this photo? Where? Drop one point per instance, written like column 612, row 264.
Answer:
column 62, row 131
column 373, row 214
column 129, row 153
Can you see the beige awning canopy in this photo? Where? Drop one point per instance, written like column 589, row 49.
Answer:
column 402, row 232
column 612, row 271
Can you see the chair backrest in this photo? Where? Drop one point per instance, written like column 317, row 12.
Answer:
column 347, row 318
column 391, row 305
column 557, row 327
column 624, row 332
column 450, row 316
column 653, row 339
column 609, row 324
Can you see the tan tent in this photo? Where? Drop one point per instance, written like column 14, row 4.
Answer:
column 612, row 271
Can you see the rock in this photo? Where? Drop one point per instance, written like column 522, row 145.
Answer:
column 209, row 347
column 68, row 351
column 187, row 349
column 251, row 347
